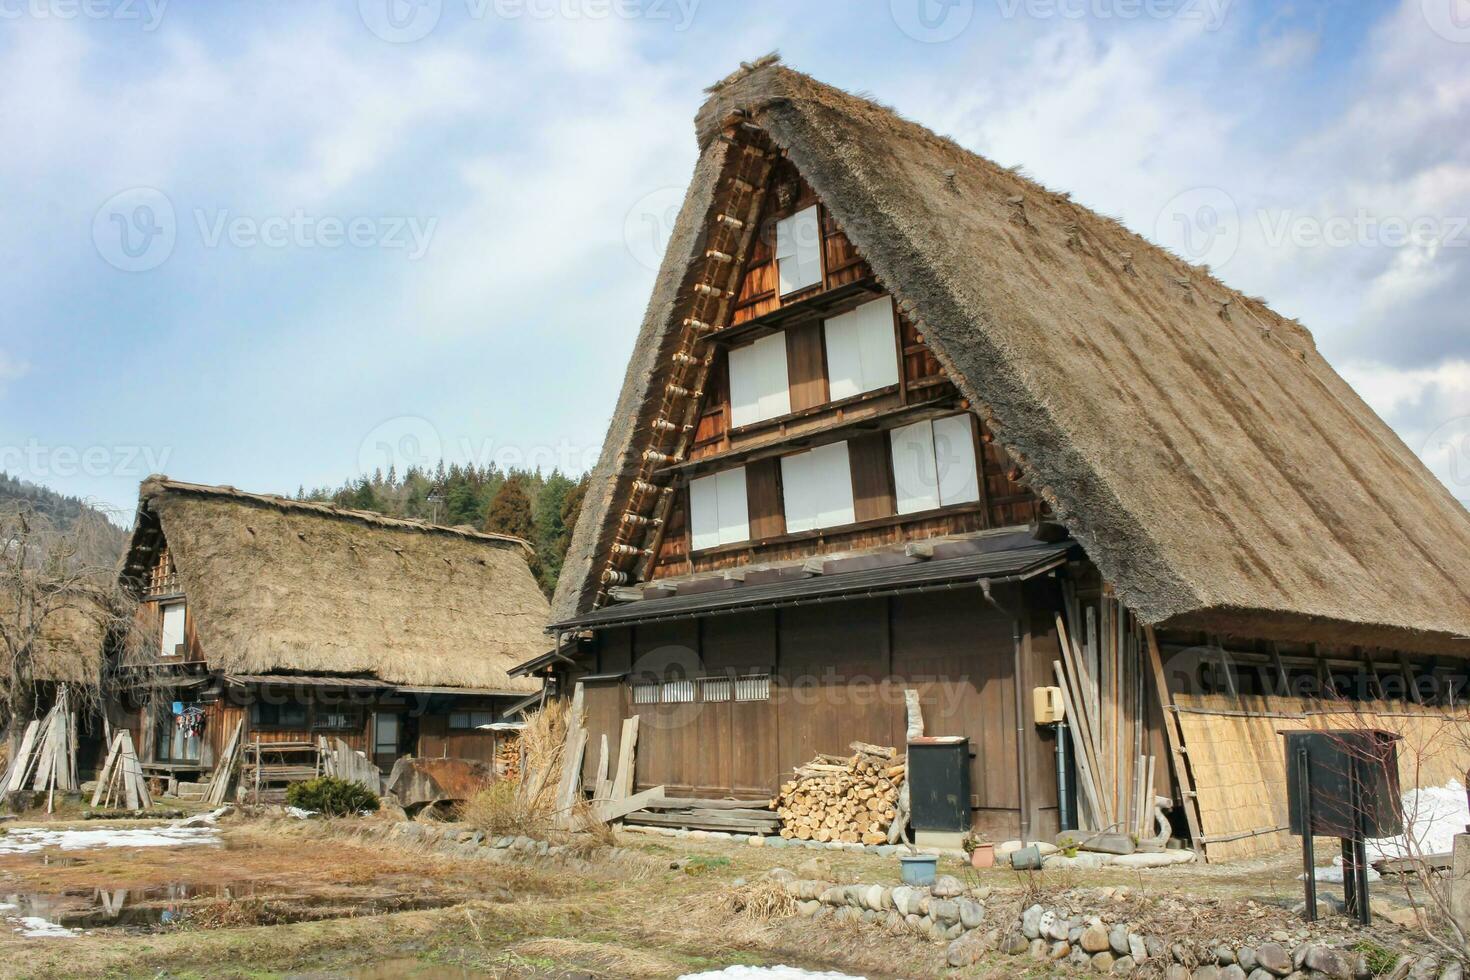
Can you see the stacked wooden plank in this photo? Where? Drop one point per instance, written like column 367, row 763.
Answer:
column 850, row 799
column 121, row 782
column 344, row 762
column 1102, row 677
column 268, row 767
column 229, row 765
column 47, row 758
column 731, row 816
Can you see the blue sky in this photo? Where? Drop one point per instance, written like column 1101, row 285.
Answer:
column 278, row 243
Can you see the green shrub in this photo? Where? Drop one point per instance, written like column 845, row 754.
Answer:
column 331, row 796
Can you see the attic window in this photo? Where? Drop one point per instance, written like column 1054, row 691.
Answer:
column 172, row 644
column 862, row 349
column 934, row 464
column 816, row 487
column 759, row 388
column 718, row 511
column 799, row 250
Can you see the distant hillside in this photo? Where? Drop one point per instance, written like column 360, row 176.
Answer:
column 104, row 540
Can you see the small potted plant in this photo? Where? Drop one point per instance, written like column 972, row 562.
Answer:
column 980, row 849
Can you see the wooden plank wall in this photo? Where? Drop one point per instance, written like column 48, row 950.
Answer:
column 838, row 674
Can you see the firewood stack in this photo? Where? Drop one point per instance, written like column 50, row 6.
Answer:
column 850, row 799
column 508, row 757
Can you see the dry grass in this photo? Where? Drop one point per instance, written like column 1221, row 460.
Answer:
column 542, row 742
column 499, row 810
column 760, row 900
column 604, row 958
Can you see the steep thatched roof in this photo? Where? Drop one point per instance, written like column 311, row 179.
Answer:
column 278, row 585
column 1215, row 467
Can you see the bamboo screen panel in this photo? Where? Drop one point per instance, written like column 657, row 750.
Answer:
column 1238, row 759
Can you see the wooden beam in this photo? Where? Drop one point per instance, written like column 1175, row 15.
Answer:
column 609, row 810
column 1175, row 737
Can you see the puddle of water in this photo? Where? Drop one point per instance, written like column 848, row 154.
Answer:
column 152, row 909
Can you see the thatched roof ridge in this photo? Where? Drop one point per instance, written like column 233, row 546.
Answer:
column 282, row 586
column 1215, row 467
column 157, row 484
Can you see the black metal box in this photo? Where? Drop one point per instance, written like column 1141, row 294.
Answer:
column 939, row 783
column 1352, row 777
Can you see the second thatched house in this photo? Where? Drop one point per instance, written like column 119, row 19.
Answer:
column 290, row 620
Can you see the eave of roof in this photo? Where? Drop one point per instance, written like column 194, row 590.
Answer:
column 1019, row 563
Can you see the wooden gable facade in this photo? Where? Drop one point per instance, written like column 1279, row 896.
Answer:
column 728, row 703
column 813, row 417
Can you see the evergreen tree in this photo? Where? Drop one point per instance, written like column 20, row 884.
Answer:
column 510, row 512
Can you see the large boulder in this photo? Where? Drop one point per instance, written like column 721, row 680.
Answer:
column 417, row 783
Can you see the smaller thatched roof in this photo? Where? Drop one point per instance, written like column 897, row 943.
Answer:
column 71, row 638
column 286, row 586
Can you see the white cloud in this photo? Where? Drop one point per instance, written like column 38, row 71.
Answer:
column 1430, row 410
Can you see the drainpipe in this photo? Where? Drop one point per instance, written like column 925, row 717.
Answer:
column 1021, row 774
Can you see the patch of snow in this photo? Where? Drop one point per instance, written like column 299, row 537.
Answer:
column 1432, row 818
column 298, row 813
column 1333, row 873
column 31, row 839
column 33, row 926
column 766, row 973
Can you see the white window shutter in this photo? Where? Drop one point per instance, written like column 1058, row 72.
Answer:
column 879, row 350
column 844, row 356
column 797, row 493
column 954, row 460
column 718, row 512
column 915, row 485
column 799, row 250
column 173, row 628
column 834, row 475
column 704, row 512
column 816, row 488
column 734, row 510
column 861, row 349
column 759, row 386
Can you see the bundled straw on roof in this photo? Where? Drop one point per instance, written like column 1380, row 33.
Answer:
column 284, row 586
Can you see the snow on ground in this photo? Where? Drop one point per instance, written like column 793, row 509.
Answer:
column 766, row 973
column 34, row 926
column 1432, row 818
column 28, row 839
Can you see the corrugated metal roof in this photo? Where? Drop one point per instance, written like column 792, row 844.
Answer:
column 1020, row 562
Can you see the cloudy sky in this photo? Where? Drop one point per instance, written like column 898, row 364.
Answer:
column 273, row 243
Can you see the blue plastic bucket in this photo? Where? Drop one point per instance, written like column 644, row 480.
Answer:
column 918, row 869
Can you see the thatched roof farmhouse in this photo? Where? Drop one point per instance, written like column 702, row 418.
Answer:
column 296, row 621
column 912, row 432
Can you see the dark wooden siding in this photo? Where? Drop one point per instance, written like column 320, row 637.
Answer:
column 839, row 673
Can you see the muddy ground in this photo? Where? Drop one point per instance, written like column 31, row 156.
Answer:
column 284, row 897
